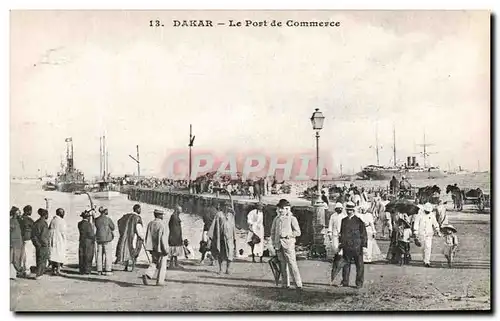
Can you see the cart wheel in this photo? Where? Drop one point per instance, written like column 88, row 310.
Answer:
column 480, row 204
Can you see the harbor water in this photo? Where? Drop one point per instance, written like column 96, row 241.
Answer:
column 31, row 193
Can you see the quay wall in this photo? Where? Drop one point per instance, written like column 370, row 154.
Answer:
column 196, row 205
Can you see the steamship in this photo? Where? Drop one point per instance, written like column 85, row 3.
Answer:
column 411, row 170
column 69, row 179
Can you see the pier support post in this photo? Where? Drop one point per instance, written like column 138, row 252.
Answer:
column 318, row 226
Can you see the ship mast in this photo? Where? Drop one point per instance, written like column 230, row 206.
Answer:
column 377, row 147
column 424, row 145
column 100, row 156
column 394, row 143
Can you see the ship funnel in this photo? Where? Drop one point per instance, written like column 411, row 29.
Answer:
column 414, row 161
column 408, row 161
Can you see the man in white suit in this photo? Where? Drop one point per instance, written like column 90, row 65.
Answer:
column 424, row 228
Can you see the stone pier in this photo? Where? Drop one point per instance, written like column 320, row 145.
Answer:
column 310, row 220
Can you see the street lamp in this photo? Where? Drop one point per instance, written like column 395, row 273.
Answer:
column 317, row 120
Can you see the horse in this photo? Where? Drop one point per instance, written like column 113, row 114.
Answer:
column 428, row 193
column 457, row 195
column 440, row 212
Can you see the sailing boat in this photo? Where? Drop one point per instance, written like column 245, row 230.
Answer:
column 411, row 169
column 104, row 190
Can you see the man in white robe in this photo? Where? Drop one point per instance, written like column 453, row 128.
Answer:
column 255, row 220
column 57, row 231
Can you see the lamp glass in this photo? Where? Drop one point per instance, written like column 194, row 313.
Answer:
column 317, row 120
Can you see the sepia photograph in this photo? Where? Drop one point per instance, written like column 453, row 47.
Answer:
column 250, row 160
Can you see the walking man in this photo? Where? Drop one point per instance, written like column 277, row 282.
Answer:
column 57, row 231
column 104, row 235
column 222, row 236
column 424, row 228
column 156, row 243
column 40, row 236
column 352, row 242
column 284, row 230
column 86, row 246
column 131, row 238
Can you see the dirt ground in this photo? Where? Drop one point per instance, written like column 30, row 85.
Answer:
column 251, row 287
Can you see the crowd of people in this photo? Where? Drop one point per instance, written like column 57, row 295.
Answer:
column 351, row 234
column 209, row 183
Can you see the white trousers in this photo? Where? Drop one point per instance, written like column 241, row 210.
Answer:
column 158, row 271
column 29, row 257
column 288, row 262
column 427, row 248
column 335, row 244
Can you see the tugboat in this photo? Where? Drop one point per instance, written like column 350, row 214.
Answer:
column 69, row 179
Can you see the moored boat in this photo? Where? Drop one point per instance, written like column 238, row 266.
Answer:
column 105, row 191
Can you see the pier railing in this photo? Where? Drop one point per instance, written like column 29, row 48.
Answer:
column 198, row 204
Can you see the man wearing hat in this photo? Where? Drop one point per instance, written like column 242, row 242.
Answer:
column 424, row 228
column 450, row 242
column 284, row 230
column 86, row 245
column 255, row 237
column 156, row 243
column 103, row 236
column 352, row 240
column 40, row 237
column 334, row 226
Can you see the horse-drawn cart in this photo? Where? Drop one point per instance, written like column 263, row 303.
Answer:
column 471, row 196
column 476, row 197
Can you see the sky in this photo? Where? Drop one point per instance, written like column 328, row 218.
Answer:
column 82, row 74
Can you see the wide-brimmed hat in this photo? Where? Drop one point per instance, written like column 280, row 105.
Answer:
column 85, row 214
column 405, row 221
column 283, row 202
column 428, row 207
column 350, row 206
column 449, row 226
column 338, row 205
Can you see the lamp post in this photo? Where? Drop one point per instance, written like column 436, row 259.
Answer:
column 317, row 120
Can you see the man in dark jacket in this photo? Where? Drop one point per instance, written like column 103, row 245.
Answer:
column 40, row 237
column 86, row 246
column 104, row 235
column 28, row 251
column 352, row 240
column 394, row 185
column 16, row 241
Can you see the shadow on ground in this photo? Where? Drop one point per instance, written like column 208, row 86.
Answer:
column 304, row 296
column 76, row 276
column 481, row 265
